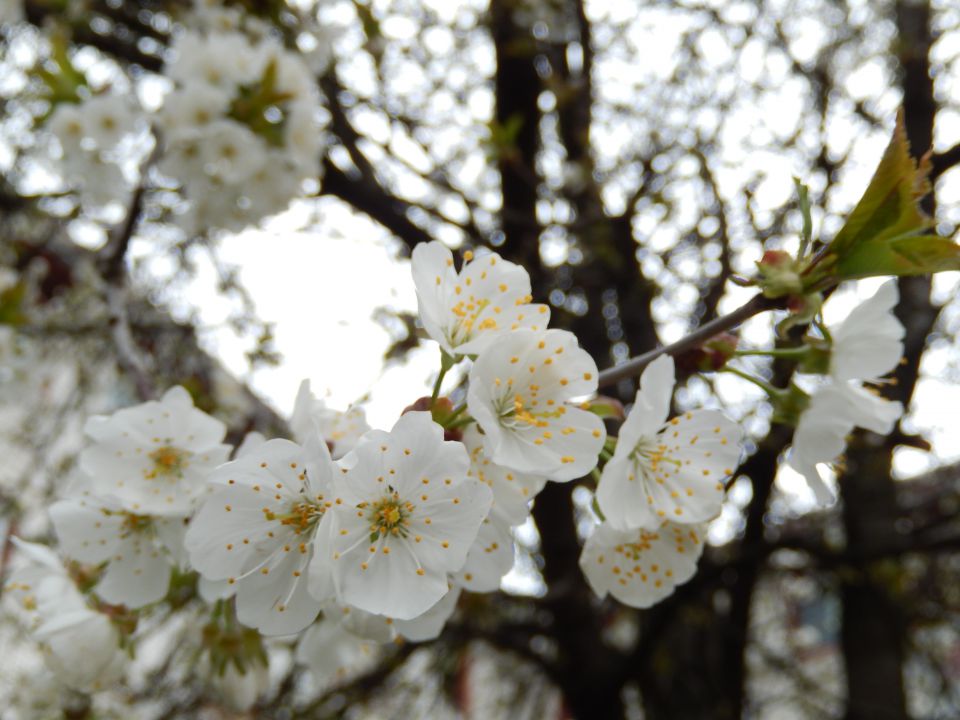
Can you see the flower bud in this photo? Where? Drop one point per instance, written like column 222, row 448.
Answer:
column 779, row 274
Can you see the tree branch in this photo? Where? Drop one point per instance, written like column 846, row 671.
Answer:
column 634, row 366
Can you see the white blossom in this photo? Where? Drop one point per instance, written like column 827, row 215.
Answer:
column 340, row 429
column 240, row 690
column 200, row 58
column 66, row 122
column 187, row 111
column 821, row 434
column 667, row 470
column 521, row 393
column 408, row 516
column 467, row 311
column 81, row 645
column 107, row 119
column 512, row 490
column 231, row 152
column 138, row 550
column 98, row 182
column 868, row 344
column 641, row 567
column 259, row 530
column 489, row 559
column 333, row 655
column 240, row 136
column 154, row 458
column 865, row 346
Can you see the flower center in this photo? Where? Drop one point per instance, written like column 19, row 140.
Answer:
column 133, row 524
column 650, row 458
column 635, row 549
column 168, row 462
column 514, row 412
column 301, row 517
column 389, row 516
column 467, row 314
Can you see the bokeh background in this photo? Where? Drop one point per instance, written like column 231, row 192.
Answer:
column 633, row 156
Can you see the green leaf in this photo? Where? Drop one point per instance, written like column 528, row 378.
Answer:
column 889, row 208
column 910, row 255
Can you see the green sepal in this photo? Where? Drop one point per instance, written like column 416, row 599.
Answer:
column 788, row 405
column 253, row 101
column 595, row 506
column 61, row 77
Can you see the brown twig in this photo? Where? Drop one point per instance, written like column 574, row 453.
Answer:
column 634, row 366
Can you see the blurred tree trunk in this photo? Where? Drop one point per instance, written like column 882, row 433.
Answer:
column 874, row 622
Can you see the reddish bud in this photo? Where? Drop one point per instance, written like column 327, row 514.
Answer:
column 440, row 410
column 775, row 259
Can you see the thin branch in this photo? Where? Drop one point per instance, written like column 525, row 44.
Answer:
column 112, row 259
column 129, row 357
column 634, row 366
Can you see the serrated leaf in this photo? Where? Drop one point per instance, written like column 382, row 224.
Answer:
column 911, row 255
column 889, row 208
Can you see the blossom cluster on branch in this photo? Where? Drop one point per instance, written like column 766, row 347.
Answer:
column 236, row 140
column 377, row 533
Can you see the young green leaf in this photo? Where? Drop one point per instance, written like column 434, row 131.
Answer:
column 889, row 208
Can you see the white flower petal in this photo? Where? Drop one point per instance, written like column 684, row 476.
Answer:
column 138, row 573
column 86, row 533
column 640, row 568
column 520, row 393
column 652, row 404
column 512, row 490
column 408, row 515
column 333, row 655
column 467, row 312
column 429, row 625
column 869, row 342
column 489, row 559
column 391, row 583
column 677, row 474
column 277, row 602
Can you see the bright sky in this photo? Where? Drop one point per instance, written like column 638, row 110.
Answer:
column 321, row 290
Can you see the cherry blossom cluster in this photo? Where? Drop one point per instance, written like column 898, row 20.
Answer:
column 238, row 139
column 529, row 394
column 241, row 137
column 351, row 537
column 95, row 137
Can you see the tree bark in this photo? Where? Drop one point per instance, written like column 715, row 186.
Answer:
column 874, row 622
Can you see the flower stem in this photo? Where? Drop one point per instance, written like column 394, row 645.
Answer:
column 760, row 383
column 796, row 353
column 462, row 422
column 446, row 362
column 453, row 416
